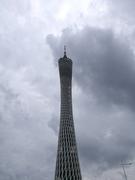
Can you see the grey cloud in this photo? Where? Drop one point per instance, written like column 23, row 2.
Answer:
column 103, row 63
column 27, row 143
column 29, row 102
column 104, row 74
column 53, row 124
column 123, row 9
column 27, row 96
column 105, row 138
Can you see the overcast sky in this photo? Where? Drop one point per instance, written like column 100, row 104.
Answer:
column 100, row 39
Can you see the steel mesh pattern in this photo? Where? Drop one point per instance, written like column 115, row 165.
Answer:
column 67, row 163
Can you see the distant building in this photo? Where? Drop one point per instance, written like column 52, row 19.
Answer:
column 67, row 163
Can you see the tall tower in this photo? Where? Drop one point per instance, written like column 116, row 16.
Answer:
column 67, row 163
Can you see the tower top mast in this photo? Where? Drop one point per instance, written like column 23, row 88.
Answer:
column 65, row 53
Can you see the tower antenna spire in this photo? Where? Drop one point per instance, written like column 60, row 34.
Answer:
column 65, row 52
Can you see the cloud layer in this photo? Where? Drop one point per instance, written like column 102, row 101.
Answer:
column 100, row 39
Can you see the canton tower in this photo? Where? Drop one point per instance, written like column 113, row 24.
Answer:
column 67, row 163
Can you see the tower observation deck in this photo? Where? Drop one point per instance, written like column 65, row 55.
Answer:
column 67, row 163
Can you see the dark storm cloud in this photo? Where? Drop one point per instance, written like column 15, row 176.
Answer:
column 103, row 63
column 104, row 70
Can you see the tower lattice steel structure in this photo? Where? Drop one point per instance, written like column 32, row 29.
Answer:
column 67, row 163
